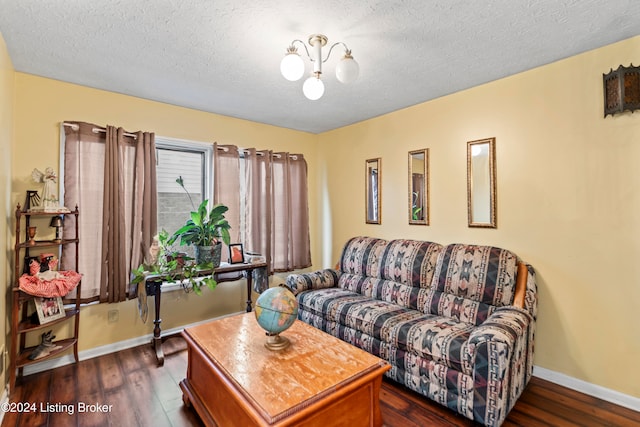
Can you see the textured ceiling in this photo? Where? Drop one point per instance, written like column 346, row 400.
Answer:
column 224, row 56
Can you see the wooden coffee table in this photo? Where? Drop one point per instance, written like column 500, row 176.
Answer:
column 319, row 380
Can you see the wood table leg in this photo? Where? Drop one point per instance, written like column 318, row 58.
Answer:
column 153, row 288
column 249, row 280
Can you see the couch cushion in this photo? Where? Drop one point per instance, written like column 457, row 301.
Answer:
column 362, row 256
column 406, row 271
column 385, row 290
column 471, row 281
column 410, row 262
column 320, row 279
column 400, row 271
column 327, row 302
column 364, row 285
column 436, row 338
column 432, row 337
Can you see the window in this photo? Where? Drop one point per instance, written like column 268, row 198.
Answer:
column 125, row 184
column 192, row 162
column 266, row 194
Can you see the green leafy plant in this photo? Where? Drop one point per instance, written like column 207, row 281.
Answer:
column 192, row 277
column 174, row 266
column 204, row 227
column 160, row 265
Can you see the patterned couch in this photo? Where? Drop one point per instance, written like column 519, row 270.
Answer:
column 455, row 322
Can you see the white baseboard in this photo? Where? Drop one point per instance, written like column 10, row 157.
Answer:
column 588, row 388
column 45, row 365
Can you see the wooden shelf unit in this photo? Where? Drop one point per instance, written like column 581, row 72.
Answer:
column 23, row 358
column 45, row 243
column 21, row 323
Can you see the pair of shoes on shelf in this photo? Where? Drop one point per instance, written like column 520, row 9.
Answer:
column 45, row 347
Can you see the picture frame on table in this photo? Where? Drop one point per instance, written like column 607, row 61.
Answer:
column 49, row 309
column 236, row 253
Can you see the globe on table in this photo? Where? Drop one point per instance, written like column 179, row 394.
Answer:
column 276, row 310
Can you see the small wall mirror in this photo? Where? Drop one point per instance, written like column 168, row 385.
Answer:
column 481, row 183
column 419, row 187
column 373, row 191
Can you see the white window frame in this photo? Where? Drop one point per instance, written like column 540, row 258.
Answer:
column 166, row 143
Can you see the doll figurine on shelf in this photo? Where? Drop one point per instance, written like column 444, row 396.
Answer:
column 50, row 202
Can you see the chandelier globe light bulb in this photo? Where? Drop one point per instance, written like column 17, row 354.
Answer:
column 292, row 66
column 313, row 88
column 347, row 69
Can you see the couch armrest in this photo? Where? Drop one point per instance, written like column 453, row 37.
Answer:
column 326, row 278
column 521, row 285
column 504, row 325
column 526, row 294
column 500, row 355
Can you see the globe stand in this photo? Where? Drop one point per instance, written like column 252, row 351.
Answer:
column 275, row 342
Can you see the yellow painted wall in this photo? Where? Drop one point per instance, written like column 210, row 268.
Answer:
column 42, row 104
column 568, row 199
column 6, row 132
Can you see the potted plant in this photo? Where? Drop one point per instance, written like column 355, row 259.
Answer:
column 205, row 230
column 174, row 266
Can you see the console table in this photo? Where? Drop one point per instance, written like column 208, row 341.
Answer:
column 224, row 273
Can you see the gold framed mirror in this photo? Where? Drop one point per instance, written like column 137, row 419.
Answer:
column 481, row 183
column 419, row 187
column 373, row 191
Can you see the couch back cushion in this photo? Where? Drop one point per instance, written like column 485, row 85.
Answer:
column 361, row 256
column 399, row 271
column 471, row 281
column 410, row 262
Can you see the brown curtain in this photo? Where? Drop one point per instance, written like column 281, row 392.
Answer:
column 110, row 175
column 114, row 264
column 145, row 216
column 277, row 211
column 226, row 187
column 83, row 187
column 258, row 205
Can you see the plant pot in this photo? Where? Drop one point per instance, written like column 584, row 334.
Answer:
column 212, row 254
column 178, row 256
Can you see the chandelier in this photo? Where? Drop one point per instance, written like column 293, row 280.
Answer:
column 292, row 65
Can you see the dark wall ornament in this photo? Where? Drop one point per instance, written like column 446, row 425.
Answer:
column 621, row 90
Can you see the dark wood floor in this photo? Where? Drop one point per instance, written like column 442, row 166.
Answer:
column 142, row 394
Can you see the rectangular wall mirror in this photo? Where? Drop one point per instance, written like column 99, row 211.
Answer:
column 373, row 191
column 481, row 183
column 419, row 187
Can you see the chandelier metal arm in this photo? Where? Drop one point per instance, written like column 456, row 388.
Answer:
column 347, row 51
column 292, row 48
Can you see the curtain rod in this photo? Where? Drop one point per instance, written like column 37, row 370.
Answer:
column 258, row 153
column 243, row 151
column 96, row 130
